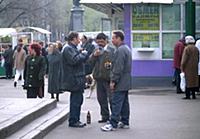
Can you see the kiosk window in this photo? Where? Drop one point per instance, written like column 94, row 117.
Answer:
column 169, row 41
column 141, row 40
column 171, row 17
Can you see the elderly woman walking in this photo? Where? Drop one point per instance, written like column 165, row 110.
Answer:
column 54, row 71
column 189, row 65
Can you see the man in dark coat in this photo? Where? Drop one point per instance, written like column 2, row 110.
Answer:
column 178, row 52
column 8, row 56
column 120, row 84
column 73, row 77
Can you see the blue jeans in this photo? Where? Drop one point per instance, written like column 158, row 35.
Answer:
column 76, row 100
column 120, row 108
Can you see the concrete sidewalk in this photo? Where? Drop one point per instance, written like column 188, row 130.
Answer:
column 22, row 117
column 156, row 113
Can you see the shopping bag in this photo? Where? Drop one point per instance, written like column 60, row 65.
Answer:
column 2, row 62
column 182, row 83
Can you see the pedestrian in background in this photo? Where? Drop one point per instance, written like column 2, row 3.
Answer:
column 54, row 70
column 73, row 77
column 84, row 40
column 34, row 72
column 59, row 45
column 120, row 84
column 189, row 65
column 88, row 45
column 198, row 46
column 101, row 59
column 178, row 52
column 19, row 61
column 8, row 56
column 44, row 53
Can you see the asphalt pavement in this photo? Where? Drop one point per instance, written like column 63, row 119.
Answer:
column 156, row 113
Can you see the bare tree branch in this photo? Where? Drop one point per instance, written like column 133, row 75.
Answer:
column 1, row 1
column 27, row 11
column 5, row 7
column 15, row 19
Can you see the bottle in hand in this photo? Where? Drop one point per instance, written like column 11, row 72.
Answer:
column 88, row 117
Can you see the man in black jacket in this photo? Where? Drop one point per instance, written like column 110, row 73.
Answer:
column 73, row 77
column 8, row 56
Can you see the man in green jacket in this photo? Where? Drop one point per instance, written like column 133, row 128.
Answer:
column 101, row 59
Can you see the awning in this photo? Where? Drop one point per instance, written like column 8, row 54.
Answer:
column 7, row 31
column 105, row 6
column 125, row 1
column 41, row 30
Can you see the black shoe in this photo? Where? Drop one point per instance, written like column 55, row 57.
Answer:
column 77, row 125
column 186, row 98
column 193, row 97
column 15, row 84
column 57, row 97
column 103, row 121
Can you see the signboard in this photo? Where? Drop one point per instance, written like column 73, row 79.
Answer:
column 145, row 17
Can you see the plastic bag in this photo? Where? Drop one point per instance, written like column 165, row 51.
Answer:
column 2, row 62
column 182, row 83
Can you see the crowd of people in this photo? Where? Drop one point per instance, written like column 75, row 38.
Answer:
column 76, row 63
column 70, row 66
column 186, row 60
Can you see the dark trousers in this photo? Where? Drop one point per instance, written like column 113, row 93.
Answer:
column 8, row 70
column 32, row 92
column 103, row 97
column 120, row 108
column 76, row 100
column 188, row 92
column 198, row 90
column 178, row 80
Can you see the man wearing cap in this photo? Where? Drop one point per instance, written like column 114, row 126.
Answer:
column 189, row 65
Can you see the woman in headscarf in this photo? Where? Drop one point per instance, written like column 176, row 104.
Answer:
column 189, row 65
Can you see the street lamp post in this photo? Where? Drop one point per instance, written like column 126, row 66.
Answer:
column 190, row 25
column 77, row 16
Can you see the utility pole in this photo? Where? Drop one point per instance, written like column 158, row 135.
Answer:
column 190, row 25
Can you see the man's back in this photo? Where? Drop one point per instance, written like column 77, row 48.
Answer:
column 178, row 52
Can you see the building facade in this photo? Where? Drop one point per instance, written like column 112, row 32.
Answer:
column 151, row 31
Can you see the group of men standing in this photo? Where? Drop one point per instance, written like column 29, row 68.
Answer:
column 110, row 65
column 112, row 71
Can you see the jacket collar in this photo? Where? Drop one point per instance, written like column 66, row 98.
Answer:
column 73, row 45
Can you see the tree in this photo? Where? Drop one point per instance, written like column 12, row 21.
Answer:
column 20, row 11
column 45, row 13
